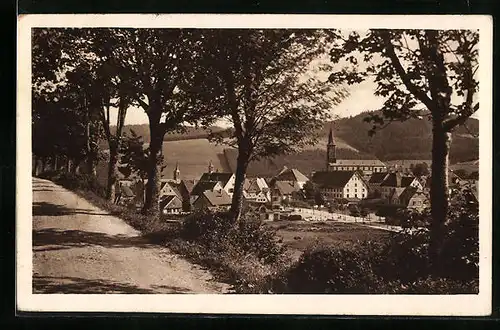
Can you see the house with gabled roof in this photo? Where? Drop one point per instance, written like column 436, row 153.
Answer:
column 291, row 175
column 394, row 183
column 170, row 188
column 226, row 180
column 213, row 201
column 170, row 205
column 256, row 190
column 413, row 198
column 348, row 185
column 284, row 191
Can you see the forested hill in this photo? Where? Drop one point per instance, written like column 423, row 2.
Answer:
column 411, row 139
column 407, row 140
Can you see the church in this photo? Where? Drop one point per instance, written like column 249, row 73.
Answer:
column 365, row 166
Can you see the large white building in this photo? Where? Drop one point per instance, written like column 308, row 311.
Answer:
column 341, row 184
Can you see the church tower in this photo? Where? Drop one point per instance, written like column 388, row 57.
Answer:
column 331, row 156
column 177, row 173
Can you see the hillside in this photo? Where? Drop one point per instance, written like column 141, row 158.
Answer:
column 191, row 132
column 414, row 139
column 193, row 156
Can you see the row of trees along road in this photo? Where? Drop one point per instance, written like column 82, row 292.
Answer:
column 266, row 83
column 259, row 80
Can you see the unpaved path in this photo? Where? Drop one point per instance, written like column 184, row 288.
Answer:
column 79, row 248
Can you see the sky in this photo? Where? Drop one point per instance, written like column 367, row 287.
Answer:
column 361, row 99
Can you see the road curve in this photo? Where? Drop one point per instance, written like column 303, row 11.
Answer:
column 79, row 248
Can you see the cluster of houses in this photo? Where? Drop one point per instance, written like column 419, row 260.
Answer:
column 348, row 180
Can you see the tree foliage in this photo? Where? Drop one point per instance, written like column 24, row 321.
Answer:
column 63, row 123
column 420, row 169
column 269, row 96
column 410, row 67
column 420, row 73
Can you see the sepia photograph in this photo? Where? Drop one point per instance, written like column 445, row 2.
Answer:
column 244, row 163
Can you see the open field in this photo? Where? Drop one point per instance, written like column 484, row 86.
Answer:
column 298, row 236
column 469, row 167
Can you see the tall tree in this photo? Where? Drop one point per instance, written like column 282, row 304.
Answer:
column 112, row 88
column 166, row 81
column 421, row 73
column 272, row 96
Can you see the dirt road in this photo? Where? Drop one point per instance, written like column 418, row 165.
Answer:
column 79, row 248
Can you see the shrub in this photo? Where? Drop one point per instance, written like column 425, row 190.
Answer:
column 206, row 227
column 249, row 236
column 406, row 254
column 332, row 270
column 75, row 181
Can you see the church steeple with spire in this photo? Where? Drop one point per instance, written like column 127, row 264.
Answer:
column 331, row 154
column 177, row 173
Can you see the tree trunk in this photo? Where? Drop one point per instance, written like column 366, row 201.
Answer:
column 441, row 141
column 44, row 163
column 76, row 167
column 154, row 172
column 55, row 163
column 36, row 168
column 68, row 164
column 112, row 172
column 91, row 165
column 241, row 169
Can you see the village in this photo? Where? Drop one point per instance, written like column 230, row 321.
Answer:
column 349, row 190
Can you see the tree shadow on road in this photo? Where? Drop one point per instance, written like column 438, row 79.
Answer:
column 53, row 239
column 72, row 285
column 50, row 209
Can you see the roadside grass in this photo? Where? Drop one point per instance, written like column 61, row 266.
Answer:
column 145, row 224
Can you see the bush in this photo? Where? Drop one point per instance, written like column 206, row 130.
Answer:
column 73, row 181
column 401, row 265
column 407, row 256
column 249, row 236
column 333, row 270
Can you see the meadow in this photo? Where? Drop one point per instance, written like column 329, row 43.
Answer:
column 299, row 236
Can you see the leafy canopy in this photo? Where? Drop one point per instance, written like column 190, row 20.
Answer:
column 412, row 68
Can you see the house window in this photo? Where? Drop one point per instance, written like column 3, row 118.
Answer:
column 231, row 190
column 355, row 185
column 347, row 195
column 355, row 190
column 356, row 195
